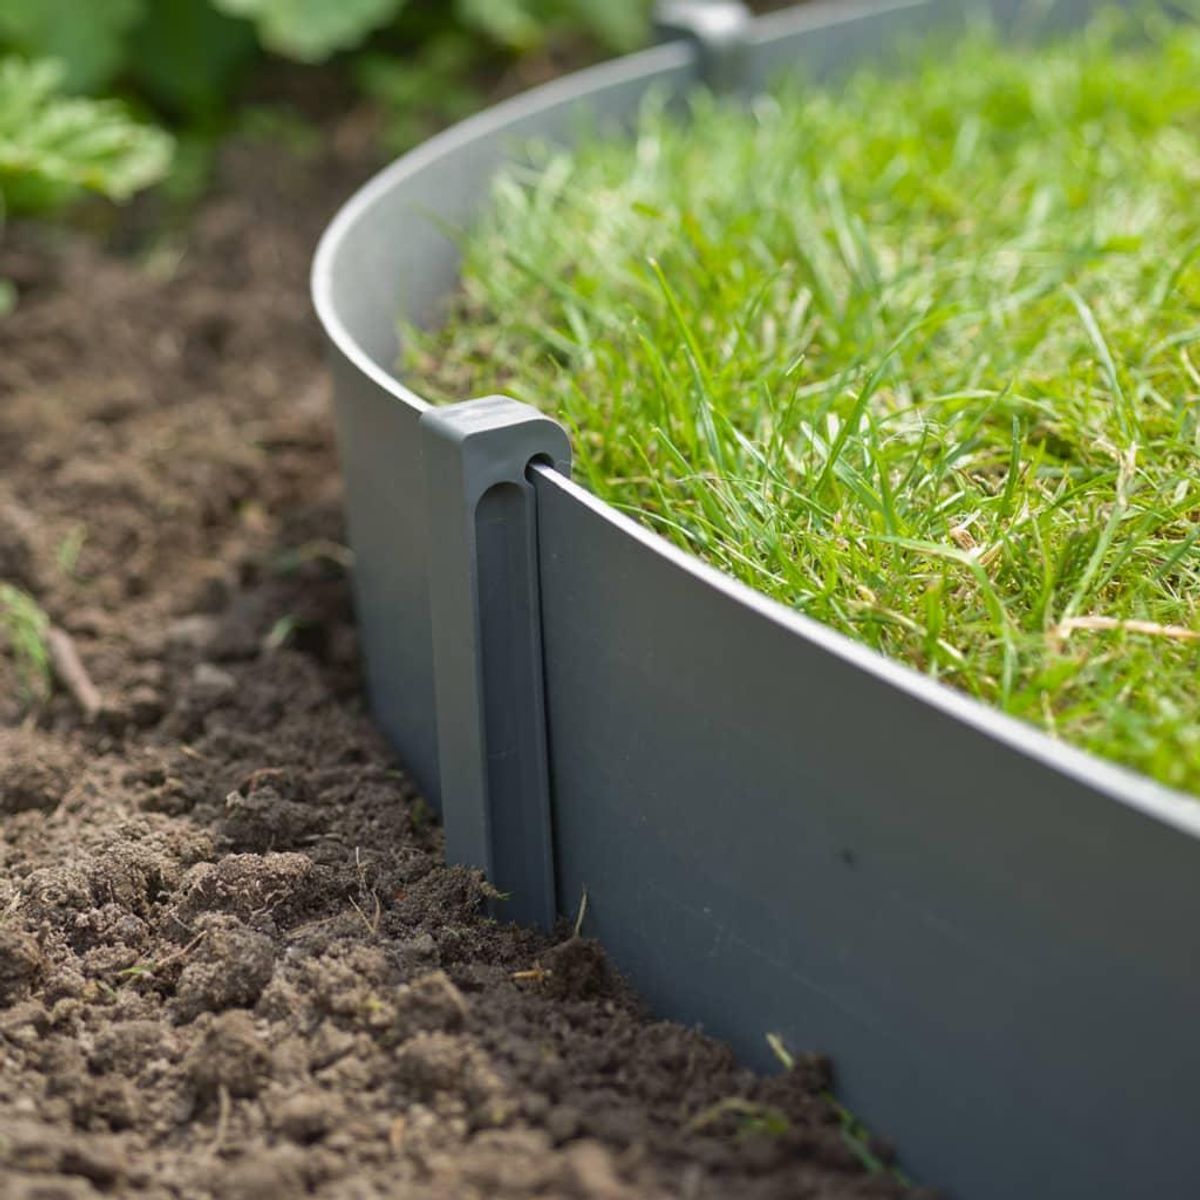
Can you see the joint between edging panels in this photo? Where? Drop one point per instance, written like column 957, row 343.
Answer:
column 487, row 652
column 720, row 30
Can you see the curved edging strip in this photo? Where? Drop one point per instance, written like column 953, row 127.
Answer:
column 777, row 829
column 389, row 254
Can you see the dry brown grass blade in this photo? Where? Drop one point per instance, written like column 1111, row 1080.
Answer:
column 1179, row 633
column 71, row 673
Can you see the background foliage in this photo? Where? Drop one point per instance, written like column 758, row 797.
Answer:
column 185, row 56
column 51, row 145
column 74, row 73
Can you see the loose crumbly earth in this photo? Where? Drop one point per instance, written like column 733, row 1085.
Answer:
column 232, row 962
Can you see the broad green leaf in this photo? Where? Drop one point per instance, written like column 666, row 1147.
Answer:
column 619, row 24
column 525, row 24
column 86, row 36
column 516, row 23
column 52, row 146
column 312, row 30
column 186, row 56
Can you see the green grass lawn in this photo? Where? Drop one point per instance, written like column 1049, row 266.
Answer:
column 918, row 356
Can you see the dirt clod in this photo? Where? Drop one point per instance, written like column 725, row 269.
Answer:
column 276, row 1174
column 33, row 776
column 229, row 1054
column 125, row 1047
column 430, row 1004
column 21, row 963
column 229, row 968
column 306, row 1117
column 22, row 556
column 578, row 969
column 590, row 1173
column 252, row 887
column 30, row 1146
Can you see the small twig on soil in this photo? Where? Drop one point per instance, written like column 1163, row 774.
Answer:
column 581, row 913
column 182, row 953
column 298, row 930
column 372, row 922
column 153, row 968
column 536, row 974
column 223, row 1110
column 71, row 673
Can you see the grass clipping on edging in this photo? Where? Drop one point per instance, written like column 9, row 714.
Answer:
column 919, row 356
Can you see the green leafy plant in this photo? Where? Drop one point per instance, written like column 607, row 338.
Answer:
column 100, row 42
column 187, row 59
column 617, row 24
column 189, row 54
column 915, row 356
column 52, row 147
column 87, row 40
column 312, row 30
column 463, row 44
column 23, row 626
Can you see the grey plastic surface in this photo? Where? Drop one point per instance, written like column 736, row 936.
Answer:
column 720, row 32
column 778, row 830
column 826, row 37
column 390, row 254
column 487, row 643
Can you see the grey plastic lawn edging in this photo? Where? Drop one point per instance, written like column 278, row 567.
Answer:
column 989, row 932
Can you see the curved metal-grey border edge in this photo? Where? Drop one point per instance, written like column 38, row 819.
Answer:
column 979, row 924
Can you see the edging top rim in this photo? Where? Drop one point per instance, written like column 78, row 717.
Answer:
column 671, row 56
column 490, row 122
column 1120, row 784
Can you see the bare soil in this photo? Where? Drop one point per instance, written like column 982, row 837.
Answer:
column 232, row 962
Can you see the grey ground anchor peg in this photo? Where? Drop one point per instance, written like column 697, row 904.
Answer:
column 720, row 29
column 487, row 648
